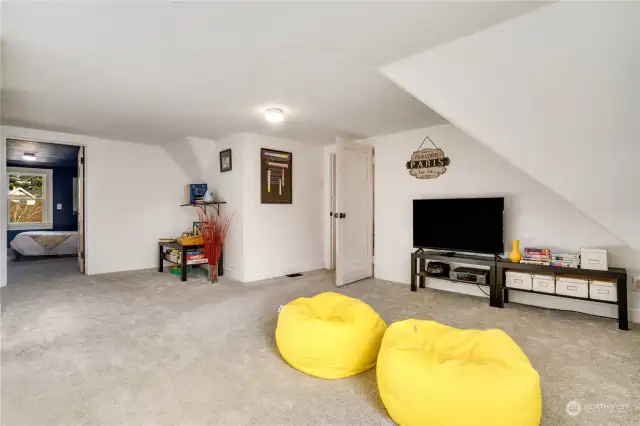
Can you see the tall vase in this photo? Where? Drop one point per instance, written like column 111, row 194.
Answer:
column 515, row 255
column 213, row 273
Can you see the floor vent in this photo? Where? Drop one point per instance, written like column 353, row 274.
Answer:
column 294, row 275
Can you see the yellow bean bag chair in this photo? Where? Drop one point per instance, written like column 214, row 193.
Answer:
column 329, row 335
column 431, row 374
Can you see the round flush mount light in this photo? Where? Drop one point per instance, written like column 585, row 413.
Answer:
column 274, row 115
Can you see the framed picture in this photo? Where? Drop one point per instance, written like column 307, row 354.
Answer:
column 276, row 177
column 197, row 228
column 225, row 160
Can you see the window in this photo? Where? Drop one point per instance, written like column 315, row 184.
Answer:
column 29, row 198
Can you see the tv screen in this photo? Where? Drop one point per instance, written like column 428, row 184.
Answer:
column 459, row 224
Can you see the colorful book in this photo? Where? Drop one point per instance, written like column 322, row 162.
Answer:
column 199, row 256
column 537, row 256
column 194, row 192
column 533, row 250
column 535, row 262
column 196, row 261
column 564, row 256
column 565, row 264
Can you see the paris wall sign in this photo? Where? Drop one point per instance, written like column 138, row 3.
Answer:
column 428, row 163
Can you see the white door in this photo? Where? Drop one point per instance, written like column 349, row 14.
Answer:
column 354, row 206
column 80, row 196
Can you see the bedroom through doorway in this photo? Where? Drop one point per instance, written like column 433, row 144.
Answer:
column 45, row 209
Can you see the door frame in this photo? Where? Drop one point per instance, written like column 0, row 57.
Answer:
column 332, row 207
column 16, row 133
column 329, row 227
column 327, row 207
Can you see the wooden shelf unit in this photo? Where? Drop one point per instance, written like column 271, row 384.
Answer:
column 619, row 274
column 499, row 294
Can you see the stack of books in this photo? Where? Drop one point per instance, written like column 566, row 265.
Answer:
column 196, row 257
column 566, row 260
column 537, row 256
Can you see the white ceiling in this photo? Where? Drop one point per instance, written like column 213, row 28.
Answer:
column 158, row 72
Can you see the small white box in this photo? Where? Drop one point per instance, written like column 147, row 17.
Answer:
column 519, row 280
column 594, row 259
column 570, row 285
column 544, row 283
column 603, row 289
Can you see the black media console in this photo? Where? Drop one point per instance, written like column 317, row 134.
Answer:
column 499, row 294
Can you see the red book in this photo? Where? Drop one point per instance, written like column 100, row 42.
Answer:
column 196, row 256
column 539, row 251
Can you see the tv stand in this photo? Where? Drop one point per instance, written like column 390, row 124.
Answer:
column 418, row 268
column 499, row 294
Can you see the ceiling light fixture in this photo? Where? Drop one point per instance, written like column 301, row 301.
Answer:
column 274, row 115
column 28, row 157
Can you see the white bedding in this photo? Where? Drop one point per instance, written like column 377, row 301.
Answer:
column 27, row 246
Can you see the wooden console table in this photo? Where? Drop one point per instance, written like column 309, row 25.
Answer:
column 499, row 294
column 183, row 258
column 619, row 274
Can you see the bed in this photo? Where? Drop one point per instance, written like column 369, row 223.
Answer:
column 45, row 243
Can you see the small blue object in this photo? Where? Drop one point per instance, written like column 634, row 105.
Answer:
column 194, row 192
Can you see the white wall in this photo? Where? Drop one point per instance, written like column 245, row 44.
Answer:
column 195, row 156
column 556, row 92
column 229, row 187
column 279, row 239
column 133, row 197
column 267, row 240
column 533, row 213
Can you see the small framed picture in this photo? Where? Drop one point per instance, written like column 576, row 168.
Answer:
column 225, row 160
column 197, row 228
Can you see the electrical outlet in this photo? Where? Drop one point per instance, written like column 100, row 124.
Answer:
column 636, row 284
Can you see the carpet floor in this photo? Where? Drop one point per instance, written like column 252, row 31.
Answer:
column 143, row 348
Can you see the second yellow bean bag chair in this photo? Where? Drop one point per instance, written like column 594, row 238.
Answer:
column 432, row 374
column 329, row 335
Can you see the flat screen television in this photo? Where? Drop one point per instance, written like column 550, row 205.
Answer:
column 459, row 224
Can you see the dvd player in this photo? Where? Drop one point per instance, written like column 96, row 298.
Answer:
column 472, row 275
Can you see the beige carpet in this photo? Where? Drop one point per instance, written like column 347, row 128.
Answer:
column 143, row 348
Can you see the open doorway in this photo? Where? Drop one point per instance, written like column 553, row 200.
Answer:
column 45, row 208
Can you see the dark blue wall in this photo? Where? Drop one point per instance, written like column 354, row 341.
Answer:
column 63, row 220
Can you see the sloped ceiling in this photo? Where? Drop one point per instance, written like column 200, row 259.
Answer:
column 158, row 72
column 194, row 156
column 555, row 92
